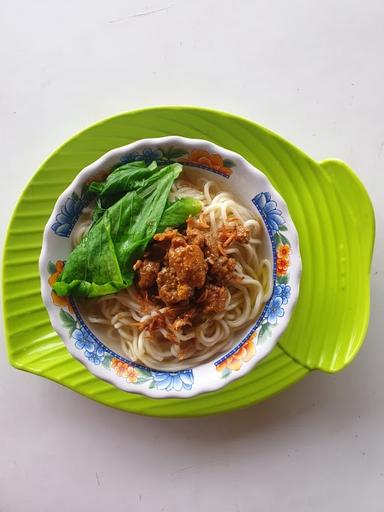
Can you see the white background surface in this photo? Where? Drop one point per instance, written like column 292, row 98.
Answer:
column 313, row 72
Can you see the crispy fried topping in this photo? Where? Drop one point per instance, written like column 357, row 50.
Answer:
column 186, row 274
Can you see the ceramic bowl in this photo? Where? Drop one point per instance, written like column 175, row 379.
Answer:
column 232, row 172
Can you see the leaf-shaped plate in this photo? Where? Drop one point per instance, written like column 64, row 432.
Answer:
column 328, row 204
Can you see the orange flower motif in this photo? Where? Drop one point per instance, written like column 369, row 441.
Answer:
column 283, row 251
column 220, row 367
column 101, row 176
column 59, row 266
column 123, row 369
column 282, row 265
column 120, row 368
column 132, row 374
column 235, row 361
column 212, row 160
column 62, row 302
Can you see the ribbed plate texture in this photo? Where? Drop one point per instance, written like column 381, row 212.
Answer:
column 328, row 204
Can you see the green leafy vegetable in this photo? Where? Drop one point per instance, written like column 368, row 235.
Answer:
column 178, row 212
column 133, row 176
column 102, row 263
column 127, row 177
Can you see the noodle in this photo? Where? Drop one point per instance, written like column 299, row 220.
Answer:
column 124, row 320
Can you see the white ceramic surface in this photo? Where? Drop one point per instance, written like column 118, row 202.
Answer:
column 249, row 346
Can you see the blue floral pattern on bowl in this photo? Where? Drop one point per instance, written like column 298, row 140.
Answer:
column 271, row 214
column 68, row 215
column 173, row 380
column 94, row 354
column 97, row 353
column 283, row 291
column 281, row 260
column 93, row 350
column 274, row 309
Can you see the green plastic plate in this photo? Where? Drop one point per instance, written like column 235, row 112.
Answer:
column 331, row 211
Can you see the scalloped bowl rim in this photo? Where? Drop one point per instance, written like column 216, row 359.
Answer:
column 203, row 385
